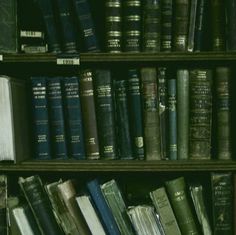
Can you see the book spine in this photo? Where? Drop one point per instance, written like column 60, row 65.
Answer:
column 105, row 114
column 234, row 200
column 89, row 114
column 166, row 25
column 172, row 119
column 183, row 114
column 40, row 118
column 181, row 19
column 223, row 113
column 56, row 116
column 151, row 26
column 132, row 26
column 3, row 204
column 231, row 24
column 200, row 113
column 178, row 197
column 151, row 122
column 63, row 9
column 122, row 118
column 222, row 200
column 73, row 118
column 135, row 107
column 113, row 40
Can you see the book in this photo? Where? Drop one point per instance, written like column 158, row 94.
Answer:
column 151, row 122
column 3, row 205
column 164, row 209
column 177, row 193
column 231, row 25
column 222, row 202
column 14, row 120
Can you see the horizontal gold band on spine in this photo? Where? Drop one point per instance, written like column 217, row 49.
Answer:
column 133, row 3
column 132, row 33
column 113, row 19
column 114, row 33
column 133, row 18
column 113, row 4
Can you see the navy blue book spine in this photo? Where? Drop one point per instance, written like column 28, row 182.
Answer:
column 73, row 118
column 102, row 207
column 40, row 120
column 135, row 107
column 57, row 126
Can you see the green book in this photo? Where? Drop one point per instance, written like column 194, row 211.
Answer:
column 3, row 206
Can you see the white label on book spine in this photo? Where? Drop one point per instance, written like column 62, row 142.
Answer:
column 68, row 61
column 31, row 34
column 1, row 57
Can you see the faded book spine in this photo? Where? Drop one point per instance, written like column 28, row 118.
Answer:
column 3, row 205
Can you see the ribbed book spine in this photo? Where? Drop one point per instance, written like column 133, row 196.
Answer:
column 89, row 114
column 181, row 21
column 113, row 24
column 223, row 75
column 183, row 114
column 231, row 24
column 122, row 119
column 151, row 26
column 178, row 197
column 104, row 100
column 222, row 203
column 56, row 115
column 151, row 122
column 132, row 25
column 73, row 118
column 200, row 113
column 40, row 118
column 135, row 107
column 166, row 25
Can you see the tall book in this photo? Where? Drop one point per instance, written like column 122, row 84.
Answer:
column 231, row 24
column 234, row 208
column 105, row 112
column 38, row 201
column 222, row 203
column 113, row 25
column 9, row 26
column 89, row 114
column 136, row 117
column 151, row 35
column 200, row 90
column 163, row 208
column 224, row 149
column 177, row 193
column 73, row 117
column 183, row 114
column 151, row 122
column 56, row 118
column 3, row 205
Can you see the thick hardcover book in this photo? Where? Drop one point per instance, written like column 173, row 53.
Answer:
column 166, row 25
column 105, row 112
column 132, row 25
column 172, row 117
column 113, row 25
column 56, row 118
column 183, row 114
column 200, row 90
column 102, row 207
column 86, row 25
column 34, row 192
column 3, row 205
column 231, row 24
column 73, row 117
column 89, row 114
column 9, row 27
column 151, row 121
column 164, row 210
column 177, row 193
column 151, row 35
column 181, row 22
column 222, row 203
column 224, row 149
column 122, row 119
column 40, row 118
column 135, row 107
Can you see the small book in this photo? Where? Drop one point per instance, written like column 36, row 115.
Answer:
column 3, row 205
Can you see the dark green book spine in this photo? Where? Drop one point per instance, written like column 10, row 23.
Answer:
column 183, row 114
column 223, row 75
column 3, row 205
column 231, row 24
column 222, row 203
column 178, row 197
column 200, row 113
column 151, row 122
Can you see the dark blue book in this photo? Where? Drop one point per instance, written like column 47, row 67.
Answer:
column 135, row 110
column 40, row 119
column 73, row 118
column 56, row 117
column 102, row 207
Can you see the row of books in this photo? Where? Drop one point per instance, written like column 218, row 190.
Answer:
column 174, row 208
